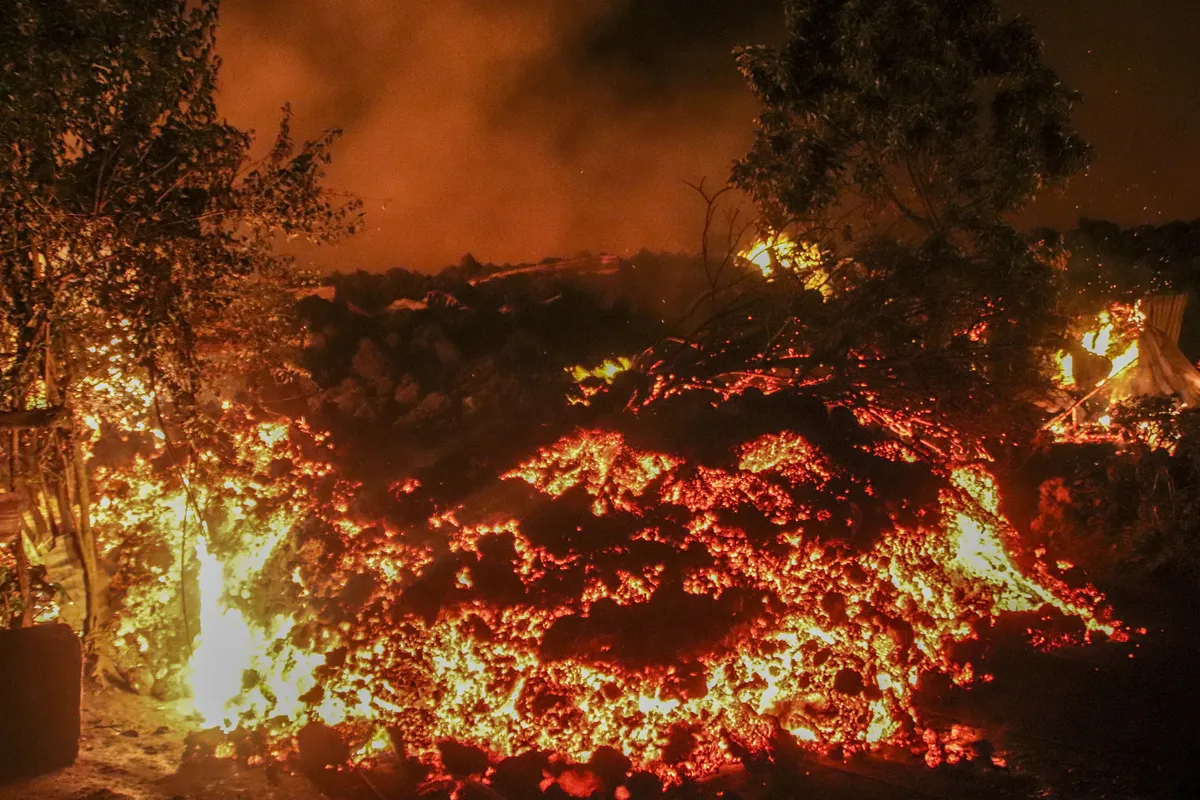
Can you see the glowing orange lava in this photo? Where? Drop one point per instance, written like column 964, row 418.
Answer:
column 816, row 638
column 681, row 613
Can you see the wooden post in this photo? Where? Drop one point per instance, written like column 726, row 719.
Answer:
column 10, row 533
column 10, row 528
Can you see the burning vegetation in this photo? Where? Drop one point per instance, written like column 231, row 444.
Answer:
column 609, row 521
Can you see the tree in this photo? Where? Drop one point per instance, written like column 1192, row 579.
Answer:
column 899, row 136
column 141, row 242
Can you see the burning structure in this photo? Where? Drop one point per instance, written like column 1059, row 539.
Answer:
column 1131, row 354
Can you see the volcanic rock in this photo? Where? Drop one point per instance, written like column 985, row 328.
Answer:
column 610, row 765
column 408, row 391
column 834, row 604
column 369, row 362
column 520, row 776
column 321, row 747
column 461, row 760
column 847, row 681
column 681, row 741
column 433, row 404
column 643, row 786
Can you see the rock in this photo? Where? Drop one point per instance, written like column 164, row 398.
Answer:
column 140, row 680
column 349, row 397
column 408, row 391
column 357, row 591
column 369, row 362
column 461, row 759
column 446, row 352
column 432, row 340
column 520, row 776
column 470, row 267
column 681, row 741
column 40, row 683
column 434, row 404
column 610, row 765
column 580, row 782
column 834, row 605
column 320, row 747
column 847, row 681
column 643, row 786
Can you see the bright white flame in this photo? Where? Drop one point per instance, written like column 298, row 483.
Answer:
column 1124, row 360
column 1066, row 370
column 223, row 648
column 1097, row 342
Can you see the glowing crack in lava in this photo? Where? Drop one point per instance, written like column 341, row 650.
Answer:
column 680, row 613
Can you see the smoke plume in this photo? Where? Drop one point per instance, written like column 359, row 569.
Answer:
column 511, row 129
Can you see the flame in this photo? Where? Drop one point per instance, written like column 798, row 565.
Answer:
column 586, row 378
column 1097, row 342
column 1103, row 338
column 1065, row 375
column 1124, row 360
column 606, row 371
column 241, row 664
column 1114, row 331
column 224, row 647
column 800, row 258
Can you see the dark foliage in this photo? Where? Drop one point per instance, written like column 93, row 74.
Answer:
column 1125, row 516
column 140, row 264
column 899, row 136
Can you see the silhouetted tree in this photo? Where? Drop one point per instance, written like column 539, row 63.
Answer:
column 899, row 136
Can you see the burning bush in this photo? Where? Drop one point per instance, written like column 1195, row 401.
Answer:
column 200, row 546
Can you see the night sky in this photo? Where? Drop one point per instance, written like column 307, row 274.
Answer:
column 518, row 129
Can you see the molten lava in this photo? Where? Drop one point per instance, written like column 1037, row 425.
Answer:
column 515, row 638
column 680, row 611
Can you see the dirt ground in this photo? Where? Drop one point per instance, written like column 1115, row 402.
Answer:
column 132, row 749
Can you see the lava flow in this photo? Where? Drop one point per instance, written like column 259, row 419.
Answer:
column 682, row 611
column 681, row 614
